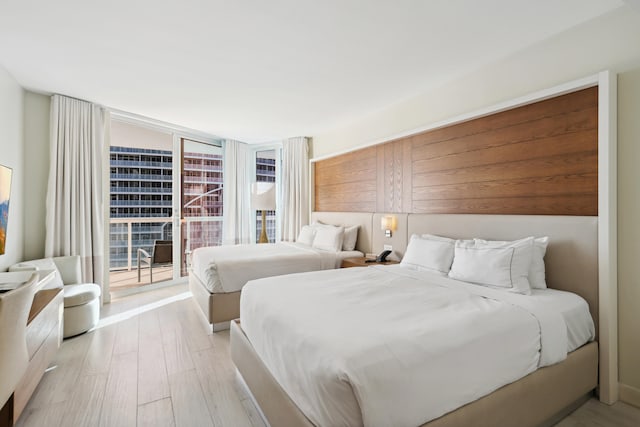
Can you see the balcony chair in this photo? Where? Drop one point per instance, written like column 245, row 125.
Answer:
column 81, row 300
column 14, row 311
column 162, row 253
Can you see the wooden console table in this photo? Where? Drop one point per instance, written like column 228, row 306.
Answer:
column 44, row 335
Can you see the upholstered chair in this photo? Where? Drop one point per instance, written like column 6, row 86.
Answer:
column 14, row 311
column 81, row 300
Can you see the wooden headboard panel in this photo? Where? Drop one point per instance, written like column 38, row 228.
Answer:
column 538, row 159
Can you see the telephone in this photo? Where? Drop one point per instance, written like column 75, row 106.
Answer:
column 381, row 258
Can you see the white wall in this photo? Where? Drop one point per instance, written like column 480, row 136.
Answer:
column 629, row 234
column 609, row 42
column 36, row 172
column 135, row 136
column 12, row 155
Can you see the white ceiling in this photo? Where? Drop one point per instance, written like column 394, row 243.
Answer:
column 258, row 70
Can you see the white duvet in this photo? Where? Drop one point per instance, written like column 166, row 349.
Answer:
column 228, row 268
column 388, row 346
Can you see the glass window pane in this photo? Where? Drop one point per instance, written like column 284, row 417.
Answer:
column 202, row 192
column 266, row 172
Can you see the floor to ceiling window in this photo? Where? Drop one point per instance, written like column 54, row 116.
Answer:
column 141, row 187
column 165, row 201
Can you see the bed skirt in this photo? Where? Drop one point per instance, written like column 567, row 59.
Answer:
column 539, row 399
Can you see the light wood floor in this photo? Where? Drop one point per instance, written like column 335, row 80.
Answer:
column 148, row 365
column 153, row 361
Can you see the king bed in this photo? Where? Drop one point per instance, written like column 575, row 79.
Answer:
column 415, row 348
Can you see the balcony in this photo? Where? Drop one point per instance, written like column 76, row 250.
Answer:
column 139, row 177
column 126, row 235
column 138, row 190
column 126, row 279
column 140, row 203
column 141, row 163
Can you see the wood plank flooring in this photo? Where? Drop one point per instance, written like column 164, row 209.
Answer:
column 153, row 361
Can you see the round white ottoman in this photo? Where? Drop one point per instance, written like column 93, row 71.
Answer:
column 81, row 308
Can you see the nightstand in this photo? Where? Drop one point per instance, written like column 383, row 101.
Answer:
column 360, row 262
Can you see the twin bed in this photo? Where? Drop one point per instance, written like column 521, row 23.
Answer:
column 217, row 274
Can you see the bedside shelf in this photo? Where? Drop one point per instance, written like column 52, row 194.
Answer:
column 361, row 262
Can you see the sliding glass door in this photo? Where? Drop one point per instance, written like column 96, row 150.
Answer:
column 141, row 193
column 201, row 201
column 166, row 201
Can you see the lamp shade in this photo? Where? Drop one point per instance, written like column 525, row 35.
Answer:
column 388, row 223
column 263, row 196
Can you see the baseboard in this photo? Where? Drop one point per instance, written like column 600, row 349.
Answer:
column 629, row 394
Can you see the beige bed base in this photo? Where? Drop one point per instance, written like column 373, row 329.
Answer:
column 218, row 308
column 540, row 399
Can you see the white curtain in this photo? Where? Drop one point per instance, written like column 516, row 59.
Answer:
column 295, row 187
column 236, row 221
column 75, row 216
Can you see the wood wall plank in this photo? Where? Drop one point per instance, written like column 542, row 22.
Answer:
column 581, row 205
column 540, row 158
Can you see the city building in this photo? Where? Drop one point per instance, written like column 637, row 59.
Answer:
column 141, row 188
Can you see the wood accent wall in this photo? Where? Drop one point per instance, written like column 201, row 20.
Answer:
column 538, row 159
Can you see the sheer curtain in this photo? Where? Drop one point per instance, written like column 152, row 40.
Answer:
column 236, row 221
column 295, row 187
column 75, row 216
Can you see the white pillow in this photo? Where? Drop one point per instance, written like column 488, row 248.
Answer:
column 328, row 238
column 536, row 274
column 350, row 238
column 501, row 266
column 430, row 253
column 307, row 233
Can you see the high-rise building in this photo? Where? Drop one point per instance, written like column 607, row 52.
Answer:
column 142, row 188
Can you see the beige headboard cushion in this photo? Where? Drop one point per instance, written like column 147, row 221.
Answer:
column 572, row 255
column 345, row 219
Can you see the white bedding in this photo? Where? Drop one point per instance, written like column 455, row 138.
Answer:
column 390, row 346
column 228, row 268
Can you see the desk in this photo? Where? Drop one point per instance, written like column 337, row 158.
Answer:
column 43, row 335
column 12, row 279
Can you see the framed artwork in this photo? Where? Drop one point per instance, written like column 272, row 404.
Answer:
column 5, row 194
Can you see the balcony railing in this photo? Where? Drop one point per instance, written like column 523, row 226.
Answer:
column 189, row 224
column 130, row 222
column 137, row 190
column 140, row 177
column 190, row 241
column 154, row 203
column 140, row 163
